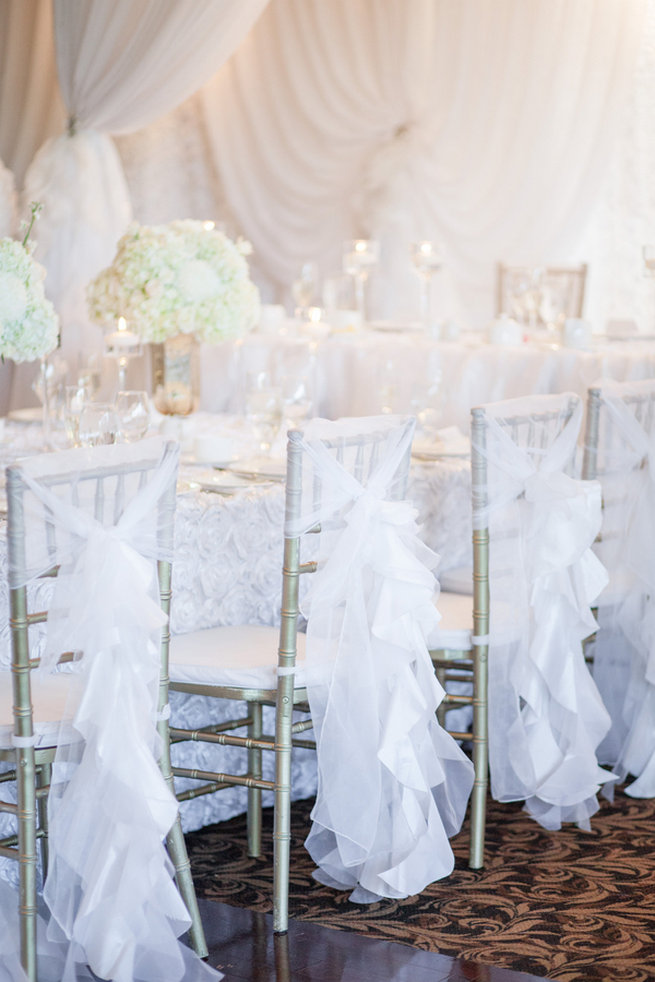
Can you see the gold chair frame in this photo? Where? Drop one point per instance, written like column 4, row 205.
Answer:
column 472, row 666
column 286, row 697
column 32, row 766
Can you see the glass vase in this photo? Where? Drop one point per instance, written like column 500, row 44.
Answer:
column 176, row 375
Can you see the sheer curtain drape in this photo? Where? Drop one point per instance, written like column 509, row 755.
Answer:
column 31, row 109
column 120, row 65
column 486, row 124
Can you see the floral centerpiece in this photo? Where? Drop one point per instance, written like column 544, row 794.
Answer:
column 176, row 284
column 29, row 325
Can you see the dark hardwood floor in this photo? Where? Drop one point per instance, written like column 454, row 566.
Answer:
column 242, row 945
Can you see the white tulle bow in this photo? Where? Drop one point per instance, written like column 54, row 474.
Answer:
column 546, row 716
column 393, row 785
column 112, row 900
column 635, row 612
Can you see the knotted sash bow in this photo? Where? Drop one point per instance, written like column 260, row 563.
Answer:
column 109, row 886
column 546, row 716
column 636, row 610
column 393, row 785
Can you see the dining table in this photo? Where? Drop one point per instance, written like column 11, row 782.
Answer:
column 227, row 567
column 389, row 367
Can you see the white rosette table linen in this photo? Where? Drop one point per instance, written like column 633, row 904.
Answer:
column 546, row 717
column 112, row 903
column 392, row 784
column 627, row 607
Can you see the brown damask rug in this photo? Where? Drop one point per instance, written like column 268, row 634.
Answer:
column 567, row 905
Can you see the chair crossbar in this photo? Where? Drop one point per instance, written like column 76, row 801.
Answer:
column 224, row 739
column 222, row 776
column 233, row 724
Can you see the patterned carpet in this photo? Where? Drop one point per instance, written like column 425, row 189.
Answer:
column 567, row 905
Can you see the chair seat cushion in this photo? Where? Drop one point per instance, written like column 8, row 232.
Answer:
column 243, row 656
column 455, row 628
column 50, row 696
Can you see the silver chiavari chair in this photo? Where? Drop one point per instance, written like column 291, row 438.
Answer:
column 618, row 452
column 34, row 706
column 265, row 667
column 461, row 650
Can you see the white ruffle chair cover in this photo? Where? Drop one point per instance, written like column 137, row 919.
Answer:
column 546, row 717
column 625, row 649
column 111, row 904
column 392, row 784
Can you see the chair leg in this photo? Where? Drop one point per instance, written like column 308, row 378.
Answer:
column 480, row 762
column 43, row 778
column 255, row 794
column 26, row 793
column 282, row 811
column 180, row 858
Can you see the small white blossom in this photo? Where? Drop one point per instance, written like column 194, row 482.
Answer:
column 29, row 326
column 180, row 278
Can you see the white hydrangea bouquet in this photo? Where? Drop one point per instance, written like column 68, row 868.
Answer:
column 29, row 325
column 182, row 278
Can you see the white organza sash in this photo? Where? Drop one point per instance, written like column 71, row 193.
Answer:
column 546, row 717
column 112, row 902
column 631, row 559
column 392, row 784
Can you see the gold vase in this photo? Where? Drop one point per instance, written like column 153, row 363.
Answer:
column 175, row 373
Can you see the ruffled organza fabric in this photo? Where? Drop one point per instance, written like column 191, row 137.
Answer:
column 111, row 906
column 392, row 784
column 546, row 717
column 627, row 612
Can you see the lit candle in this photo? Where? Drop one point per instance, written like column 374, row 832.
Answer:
column 122, row 342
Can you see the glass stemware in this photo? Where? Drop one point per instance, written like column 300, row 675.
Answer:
column 133, row 411
column 263, row 405
column 304, row 289
column 427, row 258
column 360, row 257
column 76, row 398
column 98, row 425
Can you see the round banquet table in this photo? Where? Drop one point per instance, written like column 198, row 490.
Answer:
column 366, row 372
column 227, row 570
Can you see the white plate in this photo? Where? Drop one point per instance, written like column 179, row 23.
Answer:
column 395, row 327
column 221, row 482
column 428, row 455
column 271, row 468
column 34, row 414
column 458, row 447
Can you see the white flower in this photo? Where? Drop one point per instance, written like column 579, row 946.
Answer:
column 29, row 326
column 181, row 278
column 13, row 297
column 198, row 281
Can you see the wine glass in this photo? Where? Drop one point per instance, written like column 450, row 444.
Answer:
column 296, row 400
column 99, row 424
column 133, row 411
column 427, row 258
column 360, row 256
column 75, row 399
column 263, row 408
column 305, row 288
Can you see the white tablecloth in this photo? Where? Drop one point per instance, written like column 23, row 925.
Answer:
column 361, row 373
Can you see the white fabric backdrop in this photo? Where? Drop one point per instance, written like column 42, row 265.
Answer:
column 120, row 65
column 329, row 102
column 485, row 124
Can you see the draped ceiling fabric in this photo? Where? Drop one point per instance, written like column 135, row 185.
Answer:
column 120, row 65
column 487, row 125
column 31, row 109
